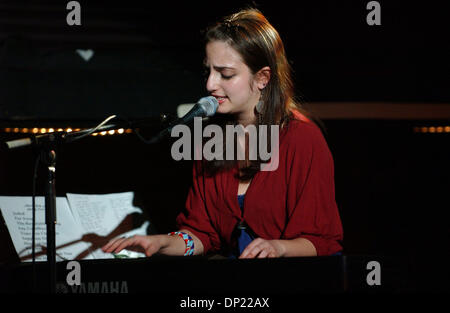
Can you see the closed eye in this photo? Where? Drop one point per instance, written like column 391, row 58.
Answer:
column 206, row 72
column 227, row 77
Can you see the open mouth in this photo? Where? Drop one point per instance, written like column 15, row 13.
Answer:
column 220, row 99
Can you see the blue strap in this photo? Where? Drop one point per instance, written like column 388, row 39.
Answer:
column 244, row 238
column 241, row 201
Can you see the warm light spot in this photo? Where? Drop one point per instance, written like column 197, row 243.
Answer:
column 35, row 130
column 432, row 129
column 447, row 129
column 68, row 130
column 111, row 132
column 16, row 130
column 25, row 130
column 103, row 133
column 439, row 129
column 8, row 130
column 43, row 130
column 424, row 129
column 120, row 131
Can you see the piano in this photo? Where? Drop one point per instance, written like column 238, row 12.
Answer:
column 214, row 276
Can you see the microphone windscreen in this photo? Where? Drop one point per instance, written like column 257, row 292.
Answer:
column 210, row 104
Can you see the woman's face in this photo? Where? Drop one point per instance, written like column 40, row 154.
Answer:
column 230, row 80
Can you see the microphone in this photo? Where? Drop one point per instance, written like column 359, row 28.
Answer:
column 206, row 106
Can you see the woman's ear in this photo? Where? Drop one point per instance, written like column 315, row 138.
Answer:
column 263, row 77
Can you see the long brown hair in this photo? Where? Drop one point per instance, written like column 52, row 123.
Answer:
column 259, row 44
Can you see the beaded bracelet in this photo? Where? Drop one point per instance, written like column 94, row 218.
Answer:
column 187, row 240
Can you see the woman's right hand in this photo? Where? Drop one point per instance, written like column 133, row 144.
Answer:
column 147, row 244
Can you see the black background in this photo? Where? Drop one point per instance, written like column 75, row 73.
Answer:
column 148, row 55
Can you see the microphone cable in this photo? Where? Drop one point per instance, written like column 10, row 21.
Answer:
column 92, row 130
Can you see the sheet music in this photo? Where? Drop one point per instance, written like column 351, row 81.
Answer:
column 84, row 224
column 102, row 214
column 17, row 212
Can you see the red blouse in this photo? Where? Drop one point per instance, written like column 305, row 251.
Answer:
column 295, row 200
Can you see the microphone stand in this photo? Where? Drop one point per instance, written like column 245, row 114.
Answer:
column 49, row 159
column 46, row 145
column 47, row 150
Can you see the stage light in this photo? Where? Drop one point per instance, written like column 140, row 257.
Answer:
column 431, row 129
column 36, row 130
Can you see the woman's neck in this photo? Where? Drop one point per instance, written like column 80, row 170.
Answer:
column 246, row 118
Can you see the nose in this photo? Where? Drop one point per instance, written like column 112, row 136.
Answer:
column 212, row 82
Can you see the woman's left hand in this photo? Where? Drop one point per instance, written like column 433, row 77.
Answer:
column 261, row 248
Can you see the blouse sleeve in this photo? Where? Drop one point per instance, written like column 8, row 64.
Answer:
column 312, row 209
column 195, row 216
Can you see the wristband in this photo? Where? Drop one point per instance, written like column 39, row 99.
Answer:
column 187, row 240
